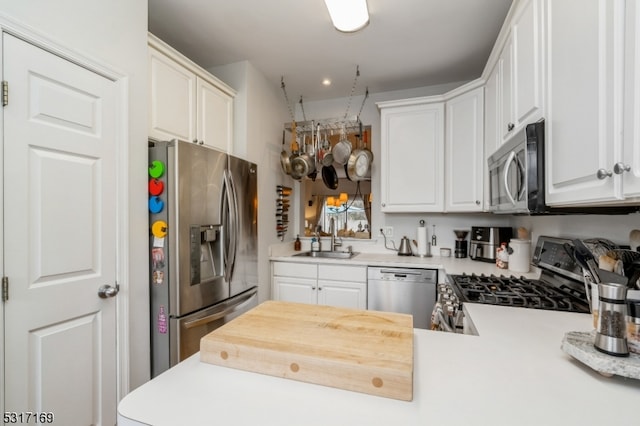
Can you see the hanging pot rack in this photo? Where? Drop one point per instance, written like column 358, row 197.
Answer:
column 350, row 124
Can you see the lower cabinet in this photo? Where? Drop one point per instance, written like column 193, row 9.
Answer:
column 323, row 284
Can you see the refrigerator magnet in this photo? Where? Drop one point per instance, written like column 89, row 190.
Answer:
column 155, row 204
column 156, row 169
column 159, row 229
column 156, row 186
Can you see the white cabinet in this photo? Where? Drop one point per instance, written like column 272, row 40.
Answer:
column 342, row 286
column 214, row 122
column 527, row 72
column 518, row 72
column 464, row 152
column 173, row 99
column 324, row 284
column 186, row 102
column 629, row 160
column 584, row 79
column 412, row 155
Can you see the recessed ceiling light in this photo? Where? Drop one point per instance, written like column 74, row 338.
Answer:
column 326, row 82
column 348, row 15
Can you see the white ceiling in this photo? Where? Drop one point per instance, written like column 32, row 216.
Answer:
column 407, row 44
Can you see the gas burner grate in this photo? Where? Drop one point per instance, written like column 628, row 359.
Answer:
column 518, row 292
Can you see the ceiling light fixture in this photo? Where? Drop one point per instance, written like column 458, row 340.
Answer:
column 348, row 15
column 326, row 82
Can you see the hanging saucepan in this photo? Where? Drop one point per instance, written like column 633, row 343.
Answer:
column 303, row 164
column 327, row 158
column 365, row 140
column 353, row 152
column 294, row 142
column 284, row 158
column 358, row 165
column 342, row 150
column 330, row 177
column 314, row 154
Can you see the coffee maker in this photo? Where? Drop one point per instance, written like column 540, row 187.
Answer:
column 461, row 243
column 485, row 240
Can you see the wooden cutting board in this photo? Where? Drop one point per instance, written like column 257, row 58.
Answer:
column 363, row 351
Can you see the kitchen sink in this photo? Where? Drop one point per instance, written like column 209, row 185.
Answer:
column 328, row 254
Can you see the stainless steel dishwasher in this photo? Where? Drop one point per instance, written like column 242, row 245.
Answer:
column 404, row 290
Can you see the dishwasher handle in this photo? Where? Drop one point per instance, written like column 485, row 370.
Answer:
column 427, row 275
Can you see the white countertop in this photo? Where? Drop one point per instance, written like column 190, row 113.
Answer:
column 514, row 372
column 390, row 259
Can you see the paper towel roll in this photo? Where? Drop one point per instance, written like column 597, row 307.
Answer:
column 422, row 240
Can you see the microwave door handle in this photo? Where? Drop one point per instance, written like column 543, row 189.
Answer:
column 523, row 179
column 509, row 163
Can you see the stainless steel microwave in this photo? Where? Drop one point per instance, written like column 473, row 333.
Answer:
column 517, row 179
column 516, row 173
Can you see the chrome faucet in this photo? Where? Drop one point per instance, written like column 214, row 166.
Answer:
column 332, row 231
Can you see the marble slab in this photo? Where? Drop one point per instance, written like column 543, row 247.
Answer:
column 580, row 346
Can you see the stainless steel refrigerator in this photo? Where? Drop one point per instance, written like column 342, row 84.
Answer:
column 203, row 214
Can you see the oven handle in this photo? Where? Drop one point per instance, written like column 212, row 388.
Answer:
column 509, row 162
column 444, row 322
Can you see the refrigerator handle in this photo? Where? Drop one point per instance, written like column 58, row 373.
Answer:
column 230, row 227
column 234, row 212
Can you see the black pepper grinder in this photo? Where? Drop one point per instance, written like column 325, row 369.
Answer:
column 611, row 333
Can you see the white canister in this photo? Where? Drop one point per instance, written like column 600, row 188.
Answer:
column 520, row 256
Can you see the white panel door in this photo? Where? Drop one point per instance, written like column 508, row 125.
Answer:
column 215, row 112
column 584, row 99
column 342, row 294
column 464, row 152
column 412, row 163
column 59, row 237
column 172, row 105
column 629, row 159
column 298, row 290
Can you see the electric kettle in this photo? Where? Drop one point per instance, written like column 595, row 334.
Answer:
column 405, row 247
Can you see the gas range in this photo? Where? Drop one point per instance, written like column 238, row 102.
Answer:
column 518, row 292
column 560, row 287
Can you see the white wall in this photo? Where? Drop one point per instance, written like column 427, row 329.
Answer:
column 259, row 114
column 113, row 33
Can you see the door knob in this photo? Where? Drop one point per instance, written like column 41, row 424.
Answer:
column 603, row 174
column 620, row 168
column 107, row 291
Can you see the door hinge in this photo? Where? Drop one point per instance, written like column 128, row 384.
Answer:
column 5, row 93
column 5, row 289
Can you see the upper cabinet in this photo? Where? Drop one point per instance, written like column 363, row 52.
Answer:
column 515, row 83
column 627, row 163
column 412, row 155
column 585, row 100
column 186, row 102
column 432, row 152
column 464, row 152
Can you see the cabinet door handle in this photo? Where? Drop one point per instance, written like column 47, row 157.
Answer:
column 319, row 288
column 620, row 168
column 603, row 174
column 510, row 126
column 477, row 202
